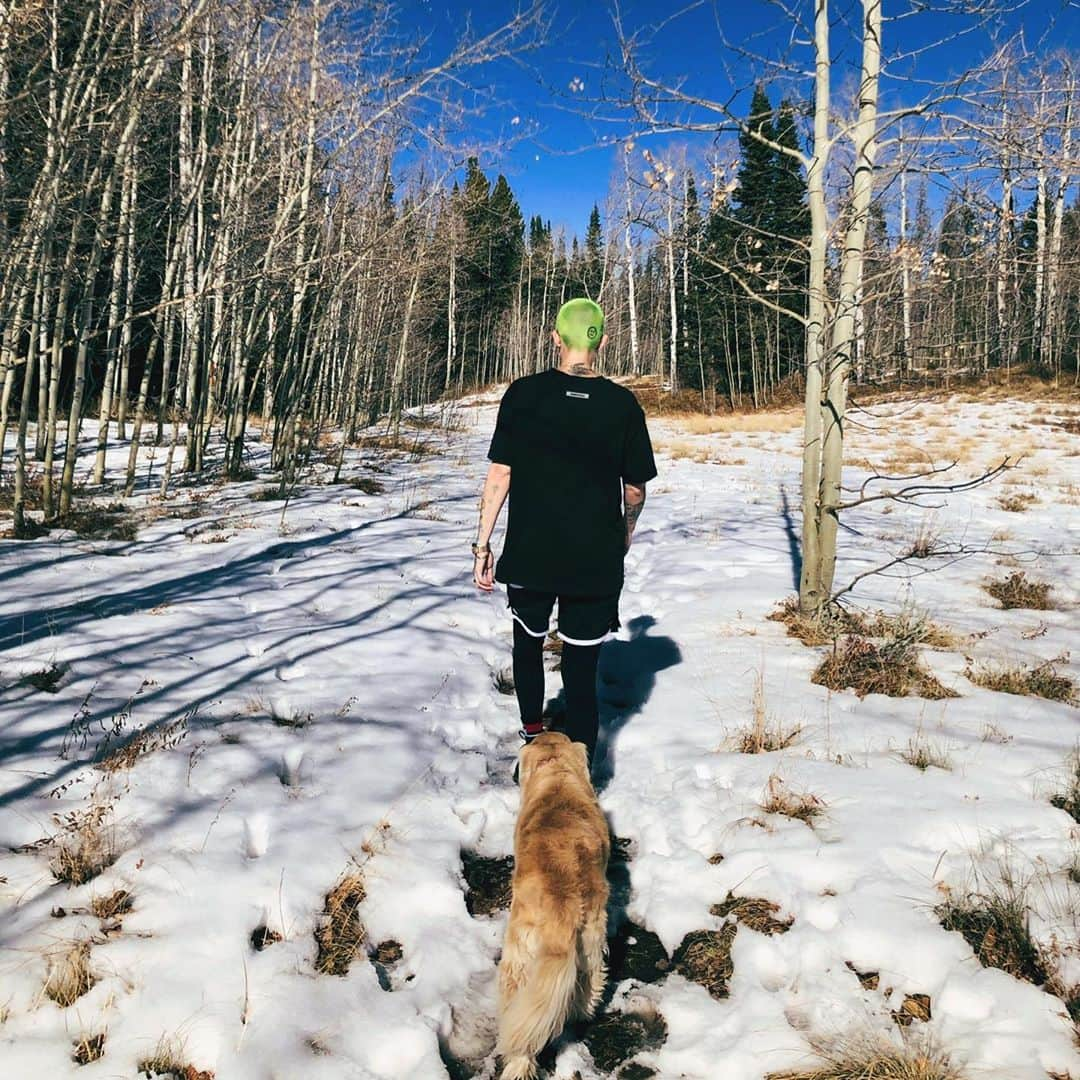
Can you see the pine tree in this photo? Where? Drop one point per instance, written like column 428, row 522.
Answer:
column 593, row 266
column 753, row 193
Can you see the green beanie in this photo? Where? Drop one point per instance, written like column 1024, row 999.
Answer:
column 580, row 324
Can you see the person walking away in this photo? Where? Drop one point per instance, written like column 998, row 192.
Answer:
column 571, row 449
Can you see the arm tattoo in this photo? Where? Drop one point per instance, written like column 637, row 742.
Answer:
column 633, row 512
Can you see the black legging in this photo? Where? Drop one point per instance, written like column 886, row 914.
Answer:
column 579, row 685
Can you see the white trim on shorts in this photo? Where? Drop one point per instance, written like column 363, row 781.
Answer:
column 579, row 641
column 528, row 630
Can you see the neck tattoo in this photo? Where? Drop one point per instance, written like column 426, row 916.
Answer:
column 579, row 368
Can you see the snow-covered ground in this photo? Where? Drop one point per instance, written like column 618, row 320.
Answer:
column 328, row 675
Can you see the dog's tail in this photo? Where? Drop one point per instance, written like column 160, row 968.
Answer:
column 537, row 1010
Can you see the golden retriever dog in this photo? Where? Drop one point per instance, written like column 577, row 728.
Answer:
column 552, row 966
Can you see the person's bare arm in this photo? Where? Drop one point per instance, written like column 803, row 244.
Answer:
column 496, row 488
column 633, row 504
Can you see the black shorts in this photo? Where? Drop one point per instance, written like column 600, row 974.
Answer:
column 583, row 620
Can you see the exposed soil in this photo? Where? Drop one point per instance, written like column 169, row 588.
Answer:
column 636, row 953
column 488, row 881
column 704, row 957
column 616, row 1037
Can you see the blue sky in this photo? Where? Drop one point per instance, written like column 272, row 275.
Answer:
column 558, row 159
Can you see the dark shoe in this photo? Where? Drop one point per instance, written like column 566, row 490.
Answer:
column 526, row 738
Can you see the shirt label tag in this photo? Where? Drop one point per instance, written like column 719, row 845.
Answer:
column 576, row 393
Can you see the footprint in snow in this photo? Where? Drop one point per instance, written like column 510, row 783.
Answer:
column 288, row 672
column 256, row 835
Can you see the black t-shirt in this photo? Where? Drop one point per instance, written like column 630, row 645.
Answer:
column 571, row 442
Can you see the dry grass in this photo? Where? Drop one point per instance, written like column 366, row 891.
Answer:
column 754, row 912
column 878, row 1061
column 913, row 1007
column 800, row 805
column 69, row 975
column 1019, row 591
column 923, row 754
column 1042, row 680
column 764, row 734
column 341, row 935
column 167, row 1063
column 768, row 421
column 145, row 742
column 682, row 450
column 85, row 846
column 1017, row 502
column 995, row 924
column 891, row 667
column 823, row 629
column 111, row 906
column 834, row 621
column 403, row 443
column 88, row 1049
column 704, row 957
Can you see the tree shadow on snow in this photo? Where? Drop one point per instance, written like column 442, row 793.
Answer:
column 794, row 544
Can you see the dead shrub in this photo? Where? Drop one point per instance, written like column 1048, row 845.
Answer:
column 1043, row 680
column 800, row 805
column 110, row 522
column 908, row 625
column 341, row 935
column 835, row 621
column 822, row 629
column 85, row 846
column 366, row 485
column 69, row 975
column 704, row 957
column 271, row 494
column 892, row 668
column 89, row 1048
column 755, row 912
column 1019, row 591
column 32, row 491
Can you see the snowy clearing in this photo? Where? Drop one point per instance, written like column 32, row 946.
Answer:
column 245, row 704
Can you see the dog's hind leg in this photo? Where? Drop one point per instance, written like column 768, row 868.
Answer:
column 592, row 975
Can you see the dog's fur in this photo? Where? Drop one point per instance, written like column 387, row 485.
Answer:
column 552, row 966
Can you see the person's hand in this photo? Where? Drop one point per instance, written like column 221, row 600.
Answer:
column 484, row 571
